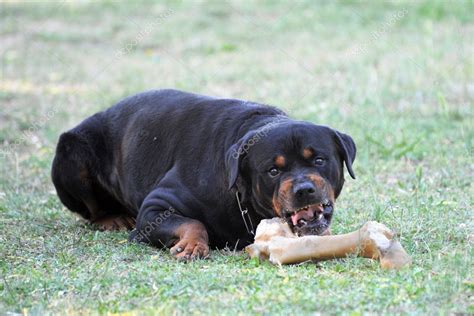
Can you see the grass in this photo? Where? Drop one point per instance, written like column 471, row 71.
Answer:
column 402, row 87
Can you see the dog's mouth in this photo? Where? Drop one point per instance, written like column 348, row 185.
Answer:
column 313, row 219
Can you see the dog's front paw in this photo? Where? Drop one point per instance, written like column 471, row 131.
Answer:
column 190, row 249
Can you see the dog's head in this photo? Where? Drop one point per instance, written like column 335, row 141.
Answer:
column 293, row 170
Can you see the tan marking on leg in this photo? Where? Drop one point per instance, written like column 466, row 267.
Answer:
column 193, row 241
column 115, row 223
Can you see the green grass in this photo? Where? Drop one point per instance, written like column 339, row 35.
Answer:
column 403, row 88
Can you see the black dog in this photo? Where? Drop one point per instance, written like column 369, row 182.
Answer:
column 194, row 171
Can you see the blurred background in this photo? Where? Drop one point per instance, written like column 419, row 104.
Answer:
column 397, row 76
column 349, row 64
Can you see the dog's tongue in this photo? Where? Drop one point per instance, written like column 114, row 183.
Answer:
column 304, row 214
column 307, row 214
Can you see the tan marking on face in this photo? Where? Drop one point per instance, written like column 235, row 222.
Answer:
column 331, row 193
column 318, row 181
column 280, row 161
column 322, row 185
column 307, row 153
column 276, row 205
column 281, row 197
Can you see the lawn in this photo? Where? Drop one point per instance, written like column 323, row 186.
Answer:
column 397, row 76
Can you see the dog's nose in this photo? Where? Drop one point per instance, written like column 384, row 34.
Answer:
column 304, row 190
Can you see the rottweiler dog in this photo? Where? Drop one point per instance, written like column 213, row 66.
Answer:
column 189, row 172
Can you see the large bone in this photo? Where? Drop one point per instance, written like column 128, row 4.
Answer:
column 275, row 241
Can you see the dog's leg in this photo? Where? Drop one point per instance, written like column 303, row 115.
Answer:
column 187, row 238
column 160, row 224
column 75, row 177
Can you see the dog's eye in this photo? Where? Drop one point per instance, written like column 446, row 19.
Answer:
column 273, row 172
column 318, row 161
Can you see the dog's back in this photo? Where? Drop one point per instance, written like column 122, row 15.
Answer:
column 109, row 163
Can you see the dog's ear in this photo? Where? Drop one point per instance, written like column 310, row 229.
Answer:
column 347, row 149
column 234, row 157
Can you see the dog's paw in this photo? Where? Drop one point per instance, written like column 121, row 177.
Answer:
column 190, row 249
